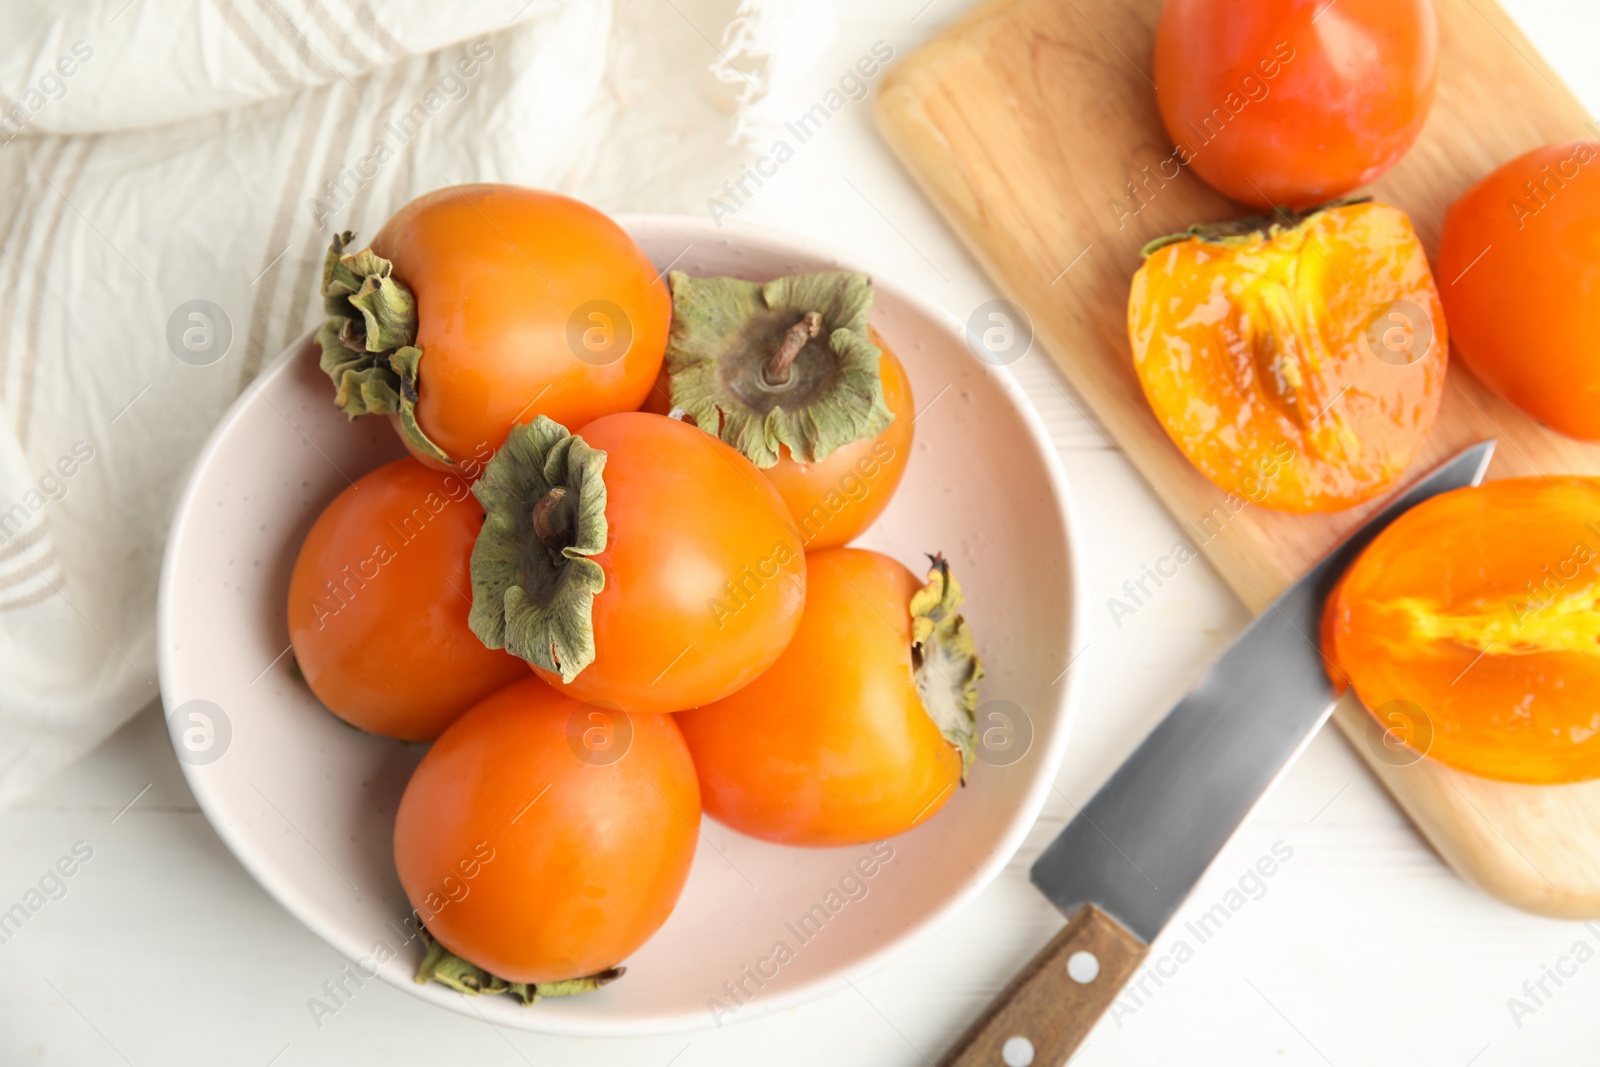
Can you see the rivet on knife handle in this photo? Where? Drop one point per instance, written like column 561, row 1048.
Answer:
column 1048, row 1009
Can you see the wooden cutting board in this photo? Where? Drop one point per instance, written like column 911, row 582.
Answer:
column 1025, row 122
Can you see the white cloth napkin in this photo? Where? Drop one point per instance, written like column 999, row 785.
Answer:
column 158, row 153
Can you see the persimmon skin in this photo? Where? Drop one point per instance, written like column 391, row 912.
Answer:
column 1479, row 608
column 1521, row 265
column 1290, row 103
column 378, row 605
column 1221, row 333
column 832, row 745
column 704, row 571
column 499, row 272
column 837, row 498
column 533, row 862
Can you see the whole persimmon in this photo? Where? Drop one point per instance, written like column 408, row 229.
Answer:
column 1520, row 260
column 1297, row 360
column 481, row 306
column 379, row 599
column 638, row 563
column 1294, row 102
column 789, row 373
column 1473, row 620
column 864, row 727
column 537, row 858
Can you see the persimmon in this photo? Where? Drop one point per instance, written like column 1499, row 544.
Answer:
column 529, row 857
column 864, row 727
column 480, row 306
column 789, row 373
column 1298, row 361
column 1474, row 619
column 1520, row 257
column 379, row 599
column 1294, row 102
column 638, row 562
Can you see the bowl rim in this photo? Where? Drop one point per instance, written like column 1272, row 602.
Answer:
column 975, row 882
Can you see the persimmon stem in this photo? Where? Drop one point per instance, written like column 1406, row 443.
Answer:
column 552, row 537
column 777, row 370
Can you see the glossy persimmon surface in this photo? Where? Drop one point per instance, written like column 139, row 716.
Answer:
column 1520, row 267
column 1475, row 620
column 378, row 604
column 832, row 745
column 544, row 839
column 1298, row 367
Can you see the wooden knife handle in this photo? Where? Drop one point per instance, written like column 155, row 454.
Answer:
column 1048, row 1009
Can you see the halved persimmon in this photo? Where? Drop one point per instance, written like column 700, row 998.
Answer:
column 1298, row 360
column 1475, row 619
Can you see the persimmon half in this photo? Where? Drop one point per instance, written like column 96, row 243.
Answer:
column 379, row 599
column 1297, row 360
column 1474, row 619
column 789, row 373
column 481, row 306
column 1294, row 102
column 532, row 857
column 639, row 562
column 1520, row 261
column 864, row 727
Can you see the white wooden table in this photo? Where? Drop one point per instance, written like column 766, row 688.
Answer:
column 1361, row 949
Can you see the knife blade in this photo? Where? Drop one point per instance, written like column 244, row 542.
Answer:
column 1128, row 860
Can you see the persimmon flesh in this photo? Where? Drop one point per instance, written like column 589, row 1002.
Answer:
column 1297, row 362
column 1476, row 617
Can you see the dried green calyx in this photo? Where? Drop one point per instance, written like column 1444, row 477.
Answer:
column 445, row 967
column 785, row 363
column 367, row 340
column 533, row 583
column 944, row 661
column 1249, row 229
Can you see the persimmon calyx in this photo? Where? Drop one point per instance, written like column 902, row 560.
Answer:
column 441, row 965
column 533, row 583
column 945, row 663
column 367, row 340
column 784, row 363
column 1249, row 229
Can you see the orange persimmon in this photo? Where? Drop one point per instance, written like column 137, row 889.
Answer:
column 1520, row 257
column 481, row 306
column 540, row 859
column 638, row 562
column 835, row 498
column 788, row 372
column 1297, row 361
column 378, row 604
column 1293, row 102
column 1475, row 619
column 863, row 728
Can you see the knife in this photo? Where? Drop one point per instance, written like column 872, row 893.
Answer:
column 1127, row 862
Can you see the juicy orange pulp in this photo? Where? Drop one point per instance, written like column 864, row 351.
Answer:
column 1480, row 611
column 1299, row 368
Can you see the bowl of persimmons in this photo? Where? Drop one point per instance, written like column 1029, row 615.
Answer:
column 618, row 625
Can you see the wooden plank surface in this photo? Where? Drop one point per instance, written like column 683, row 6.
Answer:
column 1032, row 125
